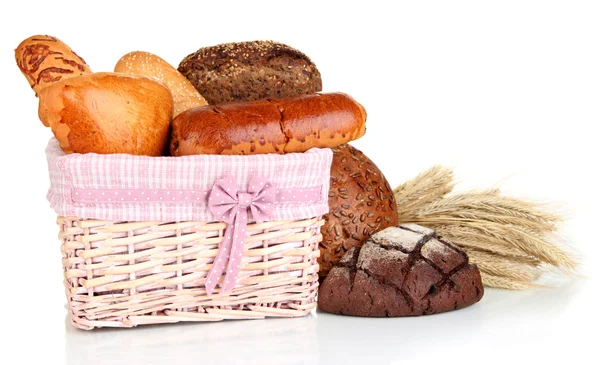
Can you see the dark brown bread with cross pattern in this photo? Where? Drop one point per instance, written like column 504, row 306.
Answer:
column 401, row 271
column 244, row 71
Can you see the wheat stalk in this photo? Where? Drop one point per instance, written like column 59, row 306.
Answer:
column 503, row 266
column 504, row 283
column 517, row 238
column 465, row 217
column 429, row 186
column 463, row 238
column 508, row 238
column 527, row 241
column 490, row 206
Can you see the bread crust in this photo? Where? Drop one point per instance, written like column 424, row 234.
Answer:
column 361, row 203
column 185, row 95
column 245, row 71
column 108, row 113
column 401, row 271
column 44, row 60
column 269, row 126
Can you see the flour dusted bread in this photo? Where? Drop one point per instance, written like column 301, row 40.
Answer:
column 185, row 96
column 269, row 126
column 401, row 271
column 44, row 60
column 108, row 113
column 244, row 71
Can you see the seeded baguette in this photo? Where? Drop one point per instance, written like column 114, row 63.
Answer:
column 269, row 126
column 185, row 96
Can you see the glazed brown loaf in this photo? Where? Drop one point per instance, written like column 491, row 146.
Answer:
column 269, row 126
column 44, row 60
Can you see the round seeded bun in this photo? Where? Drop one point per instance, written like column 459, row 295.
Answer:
column 361, row 203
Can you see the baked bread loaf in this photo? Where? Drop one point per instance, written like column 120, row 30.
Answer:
column 401, row 271
column 44, row 60
column 361, row 202
column 185, row 96
column 247, row 71
column 108, row 113
column 268, row 126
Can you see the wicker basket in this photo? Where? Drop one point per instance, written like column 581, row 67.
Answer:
column 124, row 272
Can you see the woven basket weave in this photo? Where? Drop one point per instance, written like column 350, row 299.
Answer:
column 132, row 273
column 195, row 238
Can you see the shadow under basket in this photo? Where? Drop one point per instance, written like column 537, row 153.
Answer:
column 132, row 273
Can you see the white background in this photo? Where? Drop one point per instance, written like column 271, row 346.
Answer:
column 507, row 92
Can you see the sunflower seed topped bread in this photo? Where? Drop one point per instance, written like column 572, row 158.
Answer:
column 246, row 71
column 361, row 202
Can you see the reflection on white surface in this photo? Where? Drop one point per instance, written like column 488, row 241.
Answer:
column 327, row 339
column 227, row 342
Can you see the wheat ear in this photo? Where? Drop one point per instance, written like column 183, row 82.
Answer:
column 429, row 186
column 508, row 238
column 463, row 238
column 503, row 266
column 504, row 283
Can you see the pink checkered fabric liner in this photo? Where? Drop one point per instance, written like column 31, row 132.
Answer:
column 172, row 189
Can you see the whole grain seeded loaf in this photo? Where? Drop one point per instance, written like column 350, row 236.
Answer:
column 245, row 71
column 361, row 203
column 401, row 271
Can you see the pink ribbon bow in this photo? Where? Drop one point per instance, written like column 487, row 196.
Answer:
column 229, row 205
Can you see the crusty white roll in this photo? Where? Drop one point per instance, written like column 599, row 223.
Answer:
column 108, row 112
column 44, row 60
column 185, row 95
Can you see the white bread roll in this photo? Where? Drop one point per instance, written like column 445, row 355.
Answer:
column 185, row 95
column 108, row 112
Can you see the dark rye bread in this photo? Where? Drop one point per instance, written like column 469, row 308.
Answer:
column 246, row 71
column 361, row 202
column 401, row 271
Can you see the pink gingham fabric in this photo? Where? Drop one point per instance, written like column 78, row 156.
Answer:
column 171, row 189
